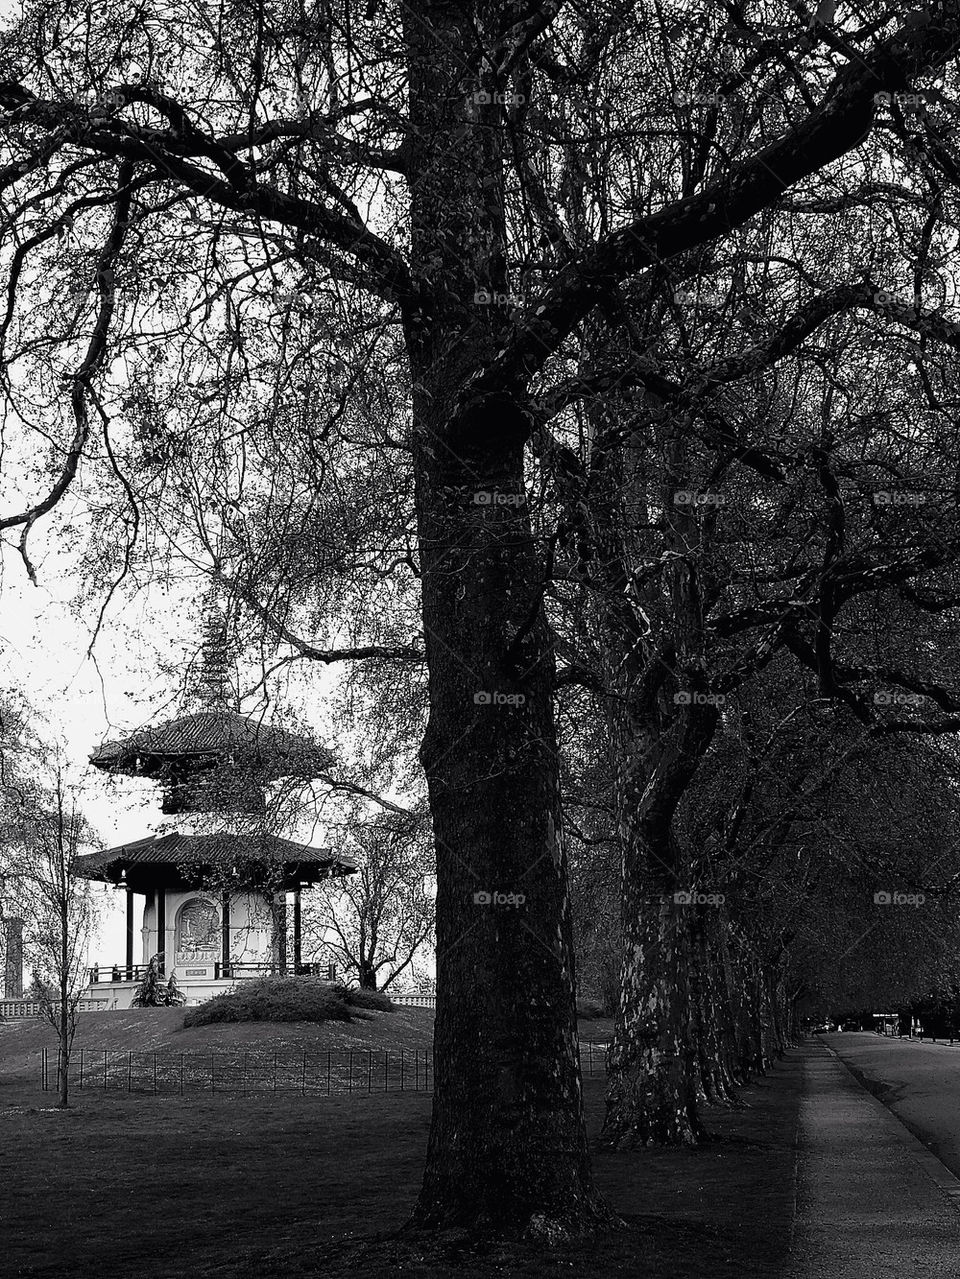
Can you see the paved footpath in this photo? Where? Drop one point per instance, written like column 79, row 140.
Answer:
column 871, row 1199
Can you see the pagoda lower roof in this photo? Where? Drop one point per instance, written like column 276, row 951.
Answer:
column 206, row 738
column 174, row 859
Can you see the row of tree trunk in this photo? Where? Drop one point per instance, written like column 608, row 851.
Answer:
column 702, row 1011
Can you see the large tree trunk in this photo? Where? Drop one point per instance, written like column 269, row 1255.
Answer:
column 507, row 1149
column 507, row 1152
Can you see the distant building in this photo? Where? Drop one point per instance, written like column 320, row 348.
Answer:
column 13, row 958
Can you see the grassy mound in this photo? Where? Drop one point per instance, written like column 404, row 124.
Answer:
column 286, row 999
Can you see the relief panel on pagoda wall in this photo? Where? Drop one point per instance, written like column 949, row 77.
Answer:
column 198, row 932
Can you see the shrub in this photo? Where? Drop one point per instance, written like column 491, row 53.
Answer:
column 285, row 999
column 273, row 999
column 377, row 999
column 152, row 993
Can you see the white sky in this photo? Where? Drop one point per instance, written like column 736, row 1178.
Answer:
column 82, row 701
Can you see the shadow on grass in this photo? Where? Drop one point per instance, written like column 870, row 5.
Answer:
column 231, row 1187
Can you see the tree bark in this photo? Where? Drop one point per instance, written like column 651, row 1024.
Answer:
column 661, row 726
column 507, row 1151
column 651, row 1094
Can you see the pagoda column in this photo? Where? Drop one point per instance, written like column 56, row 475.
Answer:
column 225, row 936
column 162, row 930
column 297, row 947
column 130, row 931
column 279, row 912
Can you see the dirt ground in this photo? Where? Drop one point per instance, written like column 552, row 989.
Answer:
column 227, row 1187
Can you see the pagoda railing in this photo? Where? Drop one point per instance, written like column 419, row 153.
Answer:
column 234, row 971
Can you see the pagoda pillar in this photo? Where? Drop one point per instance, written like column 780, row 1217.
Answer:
column 225, row 936
column 162, row 930
column 280, row 931
column 130, row 931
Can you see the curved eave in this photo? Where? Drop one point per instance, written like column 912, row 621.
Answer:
column 163, row 766
column 143, row 865
column 205, row 739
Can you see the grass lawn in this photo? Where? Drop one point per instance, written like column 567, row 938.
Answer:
column 205, row 1187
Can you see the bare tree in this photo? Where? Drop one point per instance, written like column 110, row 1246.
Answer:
column 42, row 829
column 376, row 922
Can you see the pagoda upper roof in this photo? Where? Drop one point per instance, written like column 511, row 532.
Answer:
column 163, row 860
column 211, row 737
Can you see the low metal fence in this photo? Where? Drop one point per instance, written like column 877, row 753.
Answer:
column 337, row 1072
column 313, row 1074
column 593, row 1056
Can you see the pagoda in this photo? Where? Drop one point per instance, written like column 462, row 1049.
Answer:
column 213, row 898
